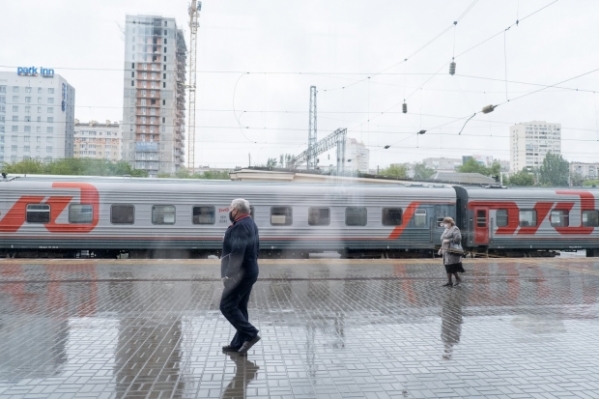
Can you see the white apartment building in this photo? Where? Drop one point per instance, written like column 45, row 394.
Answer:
column 531, row 141
column 357, row 156
column 154, row 94
column 37, row 115
column 584, row 170
column 98, row 140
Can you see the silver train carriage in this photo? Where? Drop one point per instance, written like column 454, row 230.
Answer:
column 164, row 218
column 528, row 221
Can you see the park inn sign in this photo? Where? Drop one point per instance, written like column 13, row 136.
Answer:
column 34, row 71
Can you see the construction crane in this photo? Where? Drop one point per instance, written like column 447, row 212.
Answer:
column 194, row 14
column 312, row 132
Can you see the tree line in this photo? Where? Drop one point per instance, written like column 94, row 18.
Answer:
column 553, row 172
column 97, row 167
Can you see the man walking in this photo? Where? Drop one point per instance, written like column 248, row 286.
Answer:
column 239, row 272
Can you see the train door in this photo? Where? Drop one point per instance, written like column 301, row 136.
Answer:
column 481, row 226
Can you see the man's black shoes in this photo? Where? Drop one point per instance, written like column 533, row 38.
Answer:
column 230, row 349
column 247, row 345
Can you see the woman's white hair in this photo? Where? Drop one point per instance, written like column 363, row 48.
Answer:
column 241, row 205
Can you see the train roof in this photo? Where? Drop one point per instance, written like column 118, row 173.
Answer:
column 524, row 192
column 202, row 185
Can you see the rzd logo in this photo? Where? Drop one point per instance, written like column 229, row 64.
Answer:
column 17, row 215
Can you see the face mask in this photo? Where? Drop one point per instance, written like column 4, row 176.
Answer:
column 231, row 218
column 446, row 225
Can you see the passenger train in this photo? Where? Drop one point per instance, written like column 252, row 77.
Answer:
column 167, row 218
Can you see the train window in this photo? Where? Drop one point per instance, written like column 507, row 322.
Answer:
column 319, row 216
column 501, row 217
column 528, row 217
column 80, row 213
column 205, row 214
column 281, row 216
column 590, row 218
column 481, row 218
column 392, row 216
column 560, row 218
column 122, row 214
column 252, row 212
column 420, row 218
column 38, row 213
column 163, row 214
column 355, row 216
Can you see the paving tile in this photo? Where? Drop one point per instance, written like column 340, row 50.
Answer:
column 331, row 329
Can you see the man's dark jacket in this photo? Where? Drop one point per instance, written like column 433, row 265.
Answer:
column 240, row 250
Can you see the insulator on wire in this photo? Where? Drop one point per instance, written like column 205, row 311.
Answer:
column 452, row 68
column 488, row 108
column 404, row 108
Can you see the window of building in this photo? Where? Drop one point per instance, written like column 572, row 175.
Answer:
column 2, row 89
column 15, row 89
column 392, row 216
column 559, row 218
column 28, row 109
column 26, row 148
column 38, row 213
column 80, row 213
column 281, row 216
column 590, row 218
column 15, row 99
column 50, row 110
column 39, row 100
column 319, row 216
column 15, row 108
column 50, row 90
column 203, row 214
column 14, row 128
column 50, row 119
column 49, row 149
column 39, row 110
column 50, row 100
column 39, row 90
column 50, row 129
column 122, row 214
column 501, row 217
column 27, row 99
column 163, row 214
column 355, row 216
column 27, row 89
column 15, row 118
column 26, row 139
column 528, row 217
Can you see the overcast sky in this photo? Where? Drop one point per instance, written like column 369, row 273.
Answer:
column 288, row 46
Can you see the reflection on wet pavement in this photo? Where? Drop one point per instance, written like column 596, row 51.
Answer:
column 330, row 329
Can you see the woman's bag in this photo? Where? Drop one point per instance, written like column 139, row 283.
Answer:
column 456, row 249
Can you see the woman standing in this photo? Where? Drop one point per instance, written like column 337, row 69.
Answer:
column 452, row 261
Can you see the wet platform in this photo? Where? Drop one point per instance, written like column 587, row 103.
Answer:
column 331, row 329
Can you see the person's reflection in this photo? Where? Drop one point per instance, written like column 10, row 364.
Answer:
column 451, row 327
column 245, row 372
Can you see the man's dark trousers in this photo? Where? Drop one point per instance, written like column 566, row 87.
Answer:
column 234, row 306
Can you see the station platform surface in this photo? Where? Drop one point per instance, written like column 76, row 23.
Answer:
column 524, row 328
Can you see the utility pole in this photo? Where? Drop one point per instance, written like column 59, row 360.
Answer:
column 194, row 13
column 312, row 133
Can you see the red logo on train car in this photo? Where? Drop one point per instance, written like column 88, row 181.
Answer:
column 17, row 214
column 543, row 210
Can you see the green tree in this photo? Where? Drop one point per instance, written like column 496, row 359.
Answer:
column 395, row 171
column 522, row 178
column 28, row 166
column 554, row 171
column 473, row 166
column 182, row 173
column 220, row 175
column 271, row 163
column 422, row 172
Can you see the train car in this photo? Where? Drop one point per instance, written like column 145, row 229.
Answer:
column 528, row 221
column 162, row 218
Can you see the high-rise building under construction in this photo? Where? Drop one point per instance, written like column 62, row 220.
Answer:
column 154, row 94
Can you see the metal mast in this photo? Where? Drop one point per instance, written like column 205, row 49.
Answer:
column 194, row 13
column 312, row 137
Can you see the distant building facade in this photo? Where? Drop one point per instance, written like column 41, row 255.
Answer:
column 98, row 140
column 531, row 141
column 443, row 164
column 584, row 170
column 357, row 156
column 37, row 115
column 154, row 94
